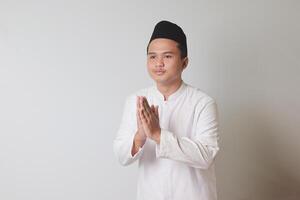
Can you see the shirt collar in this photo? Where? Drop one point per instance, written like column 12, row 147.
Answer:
column 174, row 95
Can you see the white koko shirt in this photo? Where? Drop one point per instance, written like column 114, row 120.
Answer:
column 181, row 167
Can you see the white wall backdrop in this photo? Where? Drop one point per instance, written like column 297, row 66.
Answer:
column 67, row 66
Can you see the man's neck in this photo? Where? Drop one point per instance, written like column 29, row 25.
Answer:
column 167, row 90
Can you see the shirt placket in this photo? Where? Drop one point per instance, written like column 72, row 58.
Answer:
column 165, row 124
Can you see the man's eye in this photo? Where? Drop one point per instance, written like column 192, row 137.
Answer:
column 152, row 57
column 168, row 56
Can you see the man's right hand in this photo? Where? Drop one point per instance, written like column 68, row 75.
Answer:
column 140, row 130
column 140, row 136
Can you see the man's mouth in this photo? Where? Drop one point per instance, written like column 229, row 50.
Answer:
column 160, row 72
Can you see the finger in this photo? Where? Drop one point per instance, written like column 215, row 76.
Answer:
column 143, row 117
column 146, row 107
column 138, row 117
column 142, row 106
column 137, row 101
column 153, row 108
column 156, row 111
column 146, row 103
column 146, row 114
column 137, row 104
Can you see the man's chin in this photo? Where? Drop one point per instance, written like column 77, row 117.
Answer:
column 161, row 81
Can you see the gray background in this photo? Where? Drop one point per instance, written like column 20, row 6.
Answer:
column 67, row 66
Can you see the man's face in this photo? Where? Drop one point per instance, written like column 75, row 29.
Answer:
column 164, row 61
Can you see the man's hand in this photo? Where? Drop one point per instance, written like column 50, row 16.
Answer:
column 150, row 119
column 140, row 132
column 140, row 136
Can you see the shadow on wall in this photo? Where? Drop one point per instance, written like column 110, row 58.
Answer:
column 259, row 157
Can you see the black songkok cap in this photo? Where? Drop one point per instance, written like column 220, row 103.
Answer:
column 169, row 30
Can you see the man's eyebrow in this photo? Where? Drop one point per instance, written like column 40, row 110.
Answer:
column 166, row 52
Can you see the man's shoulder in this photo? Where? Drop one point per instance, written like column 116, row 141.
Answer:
column 199, row 95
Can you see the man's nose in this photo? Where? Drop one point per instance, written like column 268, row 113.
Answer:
column 159, row 62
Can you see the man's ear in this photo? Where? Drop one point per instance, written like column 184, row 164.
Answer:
column 185, row 63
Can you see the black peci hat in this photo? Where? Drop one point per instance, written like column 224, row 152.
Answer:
column 169, row 30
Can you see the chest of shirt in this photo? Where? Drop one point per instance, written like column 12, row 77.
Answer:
column 177, row 116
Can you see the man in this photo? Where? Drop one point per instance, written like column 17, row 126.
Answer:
column 175, row 139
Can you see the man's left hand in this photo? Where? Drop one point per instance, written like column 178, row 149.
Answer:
column 150, row 120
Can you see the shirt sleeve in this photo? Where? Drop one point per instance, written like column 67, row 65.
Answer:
column 198, row 152
column 123, row 142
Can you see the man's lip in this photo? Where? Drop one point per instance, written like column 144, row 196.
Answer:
column 159, row 73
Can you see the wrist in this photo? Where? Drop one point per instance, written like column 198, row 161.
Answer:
column 139, row 139
column 138, row 142
column 156, row 136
